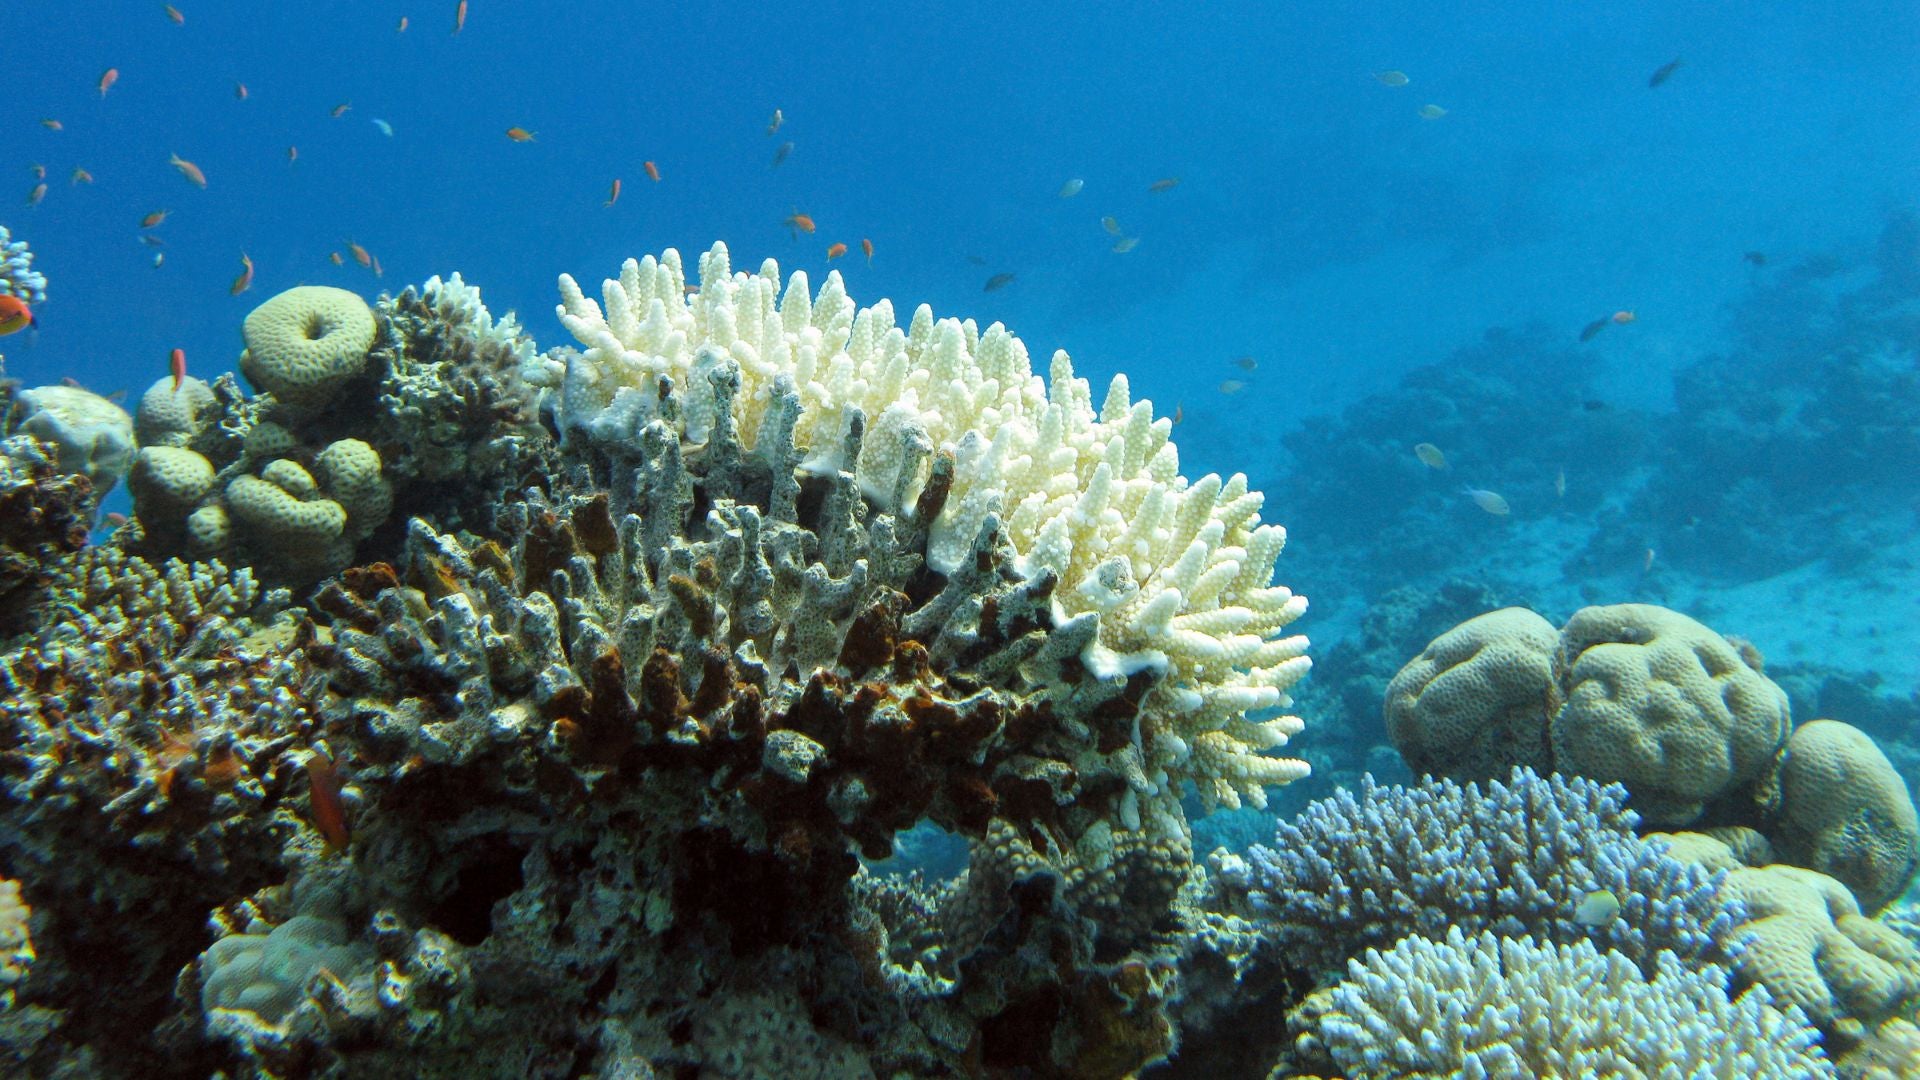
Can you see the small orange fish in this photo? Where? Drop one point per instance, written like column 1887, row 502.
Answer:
column 835, row 251
column 240, row 90
column 340, row 110
column 615, row 196
column 1179, row 413
column 245, row 280
column 402, row 28
column 107, row 79
column 360, row 254
column 653, row 171
column 867, row 247
column 1167, row 184
column 335, row 258
column 188, row 169
column 460, row 17
column 174, row 14
column 14, row 314
column 323, row 791
column 293, row 154
column 80, row 176
column 177, row 364
column 116, row 519
column 519, row 134
column 53, row 125
column 1622, row 318
column 39, row 192
column 154, row 218
column 799, row 221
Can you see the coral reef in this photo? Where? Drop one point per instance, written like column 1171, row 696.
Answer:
column 1483, row 1005
column 575, row 771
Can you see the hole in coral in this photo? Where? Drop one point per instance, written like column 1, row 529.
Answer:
column 315, row 328
column 491, row 875
column 937, row 854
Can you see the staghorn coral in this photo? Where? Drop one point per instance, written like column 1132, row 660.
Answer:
column 1488, row 1006
column 1361, row 871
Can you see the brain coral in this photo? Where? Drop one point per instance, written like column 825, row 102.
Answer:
column 304, row 344
column 1177, row 573
column 1475, row 702
column 1806, row 940
column 1486, row 1006
column 1663, row 704
column 1845, row 811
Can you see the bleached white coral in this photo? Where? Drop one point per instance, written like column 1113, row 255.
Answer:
column 1178, row 572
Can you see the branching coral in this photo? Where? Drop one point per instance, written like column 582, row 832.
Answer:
column 1177, row 573
column 1361, row 871
column 1487, row 1006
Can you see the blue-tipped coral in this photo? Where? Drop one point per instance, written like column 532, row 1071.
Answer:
column 1518, row 858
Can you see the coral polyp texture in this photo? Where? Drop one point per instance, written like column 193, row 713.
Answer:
column 1173, row 576
column 17, row 275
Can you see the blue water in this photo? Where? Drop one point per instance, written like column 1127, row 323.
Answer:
column 1320, row 224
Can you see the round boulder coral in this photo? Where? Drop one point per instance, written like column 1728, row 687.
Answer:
column 1845, row 811
column 1474, row 703
column 306, row 343
column 170, row 415
column 1664, row 705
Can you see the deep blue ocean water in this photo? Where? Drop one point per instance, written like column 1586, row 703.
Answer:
column 1321, row 226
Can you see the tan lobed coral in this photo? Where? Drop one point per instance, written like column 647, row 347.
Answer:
column 1845, row 811
column 1176, row 573
column 305, row 344
column 1806, row 939
column 1472, row 705
column 1663, row 704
